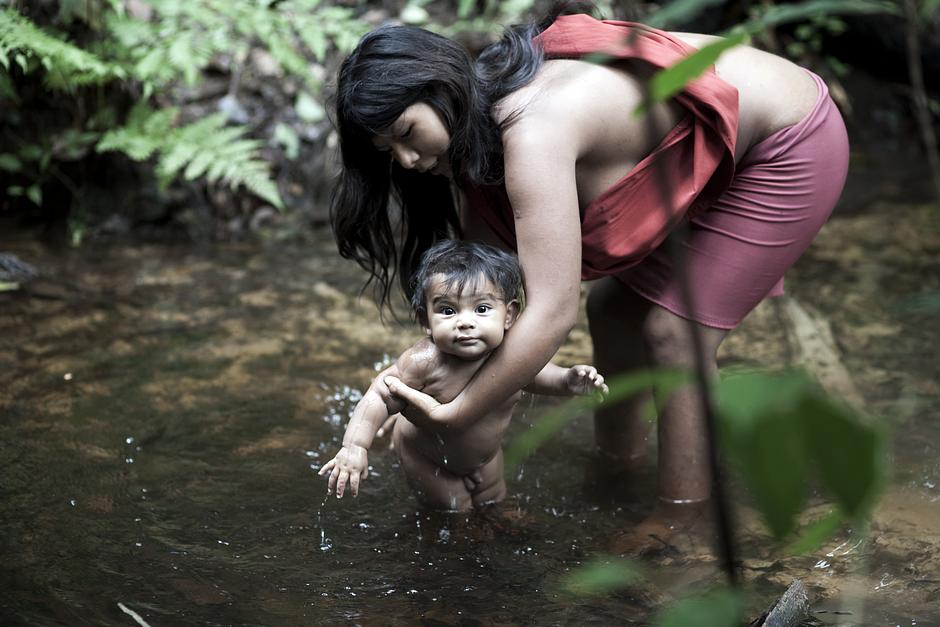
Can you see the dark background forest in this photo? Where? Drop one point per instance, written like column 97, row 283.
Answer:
column 118, row 116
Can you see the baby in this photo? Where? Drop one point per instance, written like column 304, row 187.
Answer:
column 466, row 296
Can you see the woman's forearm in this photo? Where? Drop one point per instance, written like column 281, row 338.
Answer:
column 530, row 344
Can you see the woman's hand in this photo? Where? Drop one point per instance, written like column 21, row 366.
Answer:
column 423, row 410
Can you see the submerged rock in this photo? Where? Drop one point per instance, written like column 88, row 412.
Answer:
column 14, row 271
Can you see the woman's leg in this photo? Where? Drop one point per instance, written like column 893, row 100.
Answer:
column 631, row 333
column 684, row 472
column 680, row 517
column 615, row 316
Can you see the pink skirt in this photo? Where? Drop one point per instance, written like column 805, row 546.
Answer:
column 738, row 250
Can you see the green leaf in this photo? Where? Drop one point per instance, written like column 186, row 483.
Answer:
column 9, row 162
column 315, row 39
column 784, row 13
column 464, row 7
column 413, row 14
column 601, row 576
column 777, row 427
column 198, row 165
column 718, row 608
column 668, row 82
column 813, row 536
column 680, row 11
column 31, row 152
column 34, row 193
column 287, row 138
column 849, row 453
column 308, row 109
column 759, row 427
column 7, row 88
column 22, row 38
column 928, row 9
column 622, row 387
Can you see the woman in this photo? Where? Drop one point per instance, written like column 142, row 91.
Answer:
column 548, row 156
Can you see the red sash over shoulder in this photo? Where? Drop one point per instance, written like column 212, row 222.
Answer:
column 626, row 222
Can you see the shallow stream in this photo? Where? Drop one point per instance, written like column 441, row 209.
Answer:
column 163, row 410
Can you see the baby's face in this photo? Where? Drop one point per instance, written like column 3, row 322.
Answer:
column 471, row 323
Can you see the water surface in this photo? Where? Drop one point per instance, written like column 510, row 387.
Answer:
column 164, row 410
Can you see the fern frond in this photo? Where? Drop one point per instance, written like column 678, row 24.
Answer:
column 143, row 135
column 220, row 154
column 66, row 65
column 207, row 148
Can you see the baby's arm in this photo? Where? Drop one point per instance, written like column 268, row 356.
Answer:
column 351, row 463
column 579, row 380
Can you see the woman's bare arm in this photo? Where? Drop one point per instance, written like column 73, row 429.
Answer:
column 540, row 180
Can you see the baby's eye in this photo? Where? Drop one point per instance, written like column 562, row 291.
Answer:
column 448, row 311
column 407, row 133
column 482, row 309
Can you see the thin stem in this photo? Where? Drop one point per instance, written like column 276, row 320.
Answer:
column 919, row 93
column 677, row 254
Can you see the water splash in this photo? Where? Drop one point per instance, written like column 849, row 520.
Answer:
column 326, row 544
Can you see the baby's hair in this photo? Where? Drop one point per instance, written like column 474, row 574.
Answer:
column 461, row 263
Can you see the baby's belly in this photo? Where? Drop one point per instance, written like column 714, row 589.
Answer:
column 460, row 453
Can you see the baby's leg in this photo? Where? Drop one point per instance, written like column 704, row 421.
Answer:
column 492, row 486
column 434, row 486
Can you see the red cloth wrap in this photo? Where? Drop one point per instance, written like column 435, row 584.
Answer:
column 628, row 221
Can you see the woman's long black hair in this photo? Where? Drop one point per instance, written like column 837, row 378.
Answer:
column 390, row 69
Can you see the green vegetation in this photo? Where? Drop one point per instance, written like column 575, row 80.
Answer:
column 104, row 76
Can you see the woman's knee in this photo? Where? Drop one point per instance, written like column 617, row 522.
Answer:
column 668, row 339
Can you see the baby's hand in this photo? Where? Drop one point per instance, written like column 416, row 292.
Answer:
column 350, row 464
column 584, row 381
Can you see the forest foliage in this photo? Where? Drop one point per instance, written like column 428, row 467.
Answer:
column 82, row 79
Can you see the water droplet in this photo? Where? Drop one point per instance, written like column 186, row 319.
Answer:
column 73, row 502
column 67, row 376
column 129, row 439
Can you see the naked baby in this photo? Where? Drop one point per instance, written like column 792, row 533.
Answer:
column 466, row 296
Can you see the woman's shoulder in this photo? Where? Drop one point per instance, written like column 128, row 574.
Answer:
column 574, row 108
column 563, row 88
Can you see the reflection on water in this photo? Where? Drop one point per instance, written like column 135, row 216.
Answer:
column 164, row 411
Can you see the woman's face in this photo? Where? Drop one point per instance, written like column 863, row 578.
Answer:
column 417, row 140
